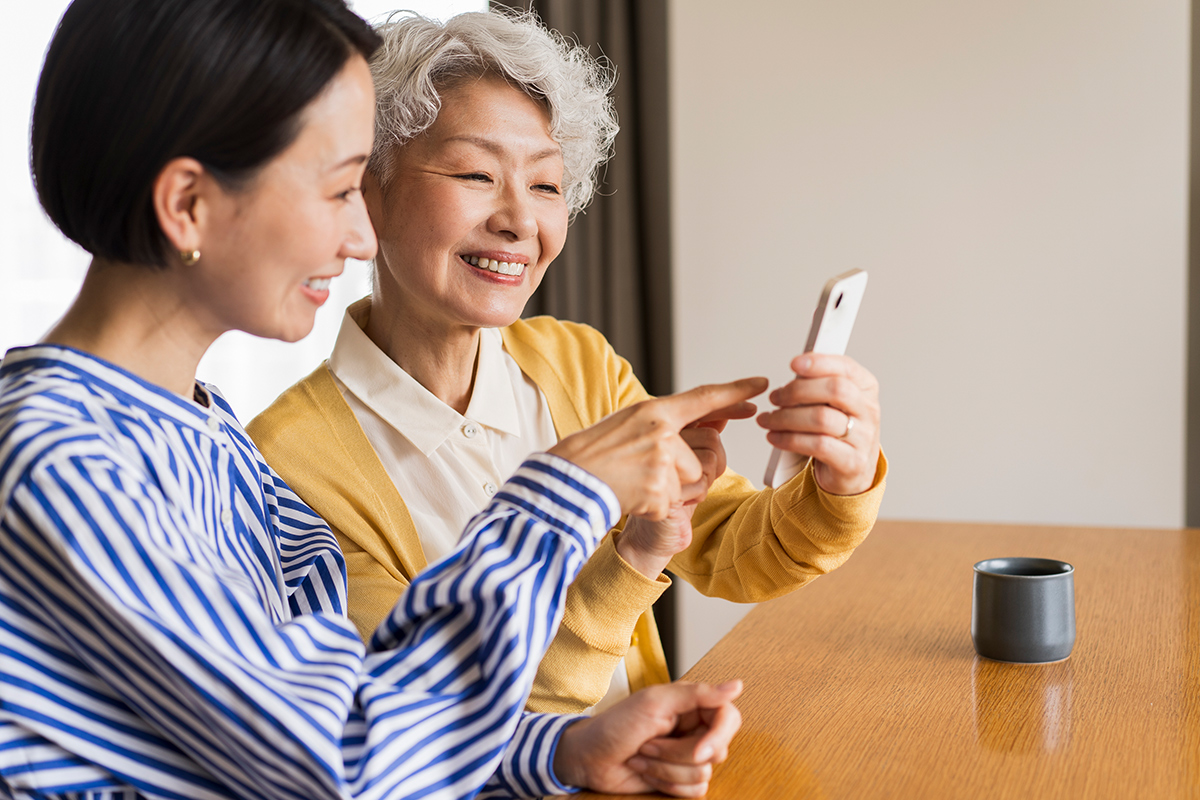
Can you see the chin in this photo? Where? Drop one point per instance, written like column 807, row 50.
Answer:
column 290, row 333
column 495, row 322
column 293, row 337
column 499, row 317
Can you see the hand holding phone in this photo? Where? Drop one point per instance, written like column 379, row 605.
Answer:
column 832, row 323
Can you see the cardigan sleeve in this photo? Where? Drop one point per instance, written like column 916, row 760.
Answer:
column 749, row 546
column 603, row 607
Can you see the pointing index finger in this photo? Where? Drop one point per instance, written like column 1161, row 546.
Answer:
column 686, row 407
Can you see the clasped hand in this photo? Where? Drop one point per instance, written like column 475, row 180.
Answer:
column 666, row 738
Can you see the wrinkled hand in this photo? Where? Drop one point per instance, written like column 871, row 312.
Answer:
column 648, row 546
column 814, row 411
column 640, row 454
column 664, row 738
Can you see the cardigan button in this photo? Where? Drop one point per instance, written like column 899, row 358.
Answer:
column 633, row 640
column 470, row 430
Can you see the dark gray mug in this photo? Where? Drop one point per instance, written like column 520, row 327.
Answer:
column 1023, row 610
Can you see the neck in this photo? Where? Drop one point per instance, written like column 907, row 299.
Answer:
column 137, row 318
column 439, row 357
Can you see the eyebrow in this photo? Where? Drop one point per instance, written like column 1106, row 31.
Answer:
column 351, row 161
column 493, row 147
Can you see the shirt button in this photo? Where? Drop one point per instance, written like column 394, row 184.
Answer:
column 490, row 488
column 470, row 429
column 214, row 424
column 227, row 518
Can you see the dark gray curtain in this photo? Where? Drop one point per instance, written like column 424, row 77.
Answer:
column 615, row 270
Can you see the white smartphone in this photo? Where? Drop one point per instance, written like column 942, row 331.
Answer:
column 830, row 333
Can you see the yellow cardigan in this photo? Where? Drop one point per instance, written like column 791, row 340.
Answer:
column 747, row 546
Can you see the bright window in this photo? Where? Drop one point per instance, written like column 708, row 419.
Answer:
column 42, row 270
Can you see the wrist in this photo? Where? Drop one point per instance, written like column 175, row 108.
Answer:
column 650, row 565
column 829, row 483
column 569, row 755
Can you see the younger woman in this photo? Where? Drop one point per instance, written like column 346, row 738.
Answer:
column 172, row 614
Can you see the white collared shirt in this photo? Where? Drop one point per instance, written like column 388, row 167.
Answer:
column 446, row 465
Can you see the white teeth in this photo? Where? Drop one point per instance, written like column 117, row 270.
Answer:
column 491, row 265
column 318, row 284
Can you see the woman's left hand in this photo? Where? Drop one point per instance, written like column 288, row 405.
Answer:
column 830, row 411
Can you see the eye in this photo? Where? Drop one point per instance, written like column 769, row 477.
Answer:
column 548, row 188
column 475, row 176
column 346, row 195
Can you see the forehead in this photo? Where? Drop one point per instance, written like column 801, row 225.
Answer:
column 490, row 112
column 337, row 127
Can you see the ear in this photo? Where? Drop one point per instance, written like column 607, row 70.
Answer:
column 177, row 199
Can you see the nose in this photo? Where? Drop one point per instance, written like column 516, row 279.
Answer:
column 359, row 240
column 513, row 216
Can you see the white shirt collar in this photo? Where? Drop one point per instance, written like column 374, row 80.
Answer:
column 408, row 406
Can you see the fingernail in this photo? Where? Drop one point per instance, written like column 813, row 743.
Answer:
column 805, row 364
column 638, row 764
column 704, row 753
column 651, row 750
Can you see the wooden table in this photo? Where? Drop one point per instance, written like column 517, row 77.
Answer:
column 865, row 683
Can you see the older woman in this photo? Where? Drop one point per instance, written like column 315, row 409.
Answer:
column 490, row 131
column 172, row 618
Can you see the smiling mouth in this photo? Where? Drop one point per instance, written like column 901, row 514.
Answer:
column 491, row 265
column 318, row 284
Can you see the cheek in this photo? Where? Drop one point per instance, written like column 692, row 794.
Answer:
column 315, row 231
column 425, row 211
column 280, row 232
column 553, row 236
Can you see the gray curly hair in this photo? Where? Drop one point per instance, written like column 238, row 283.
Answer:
column 421, row 57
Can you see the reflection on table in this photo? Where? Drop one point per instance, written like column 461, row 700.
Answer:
column 865, row 683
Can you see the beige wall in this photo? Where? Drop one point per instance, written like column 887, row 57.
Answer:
column 1012, row 173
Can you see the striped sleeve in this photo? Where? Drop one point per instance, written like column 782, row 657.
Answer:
column 297, row 709
column 527, row 767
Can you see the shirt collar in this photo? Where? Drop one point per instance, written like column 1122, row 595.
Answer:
column 405, row 404
column 494, row 400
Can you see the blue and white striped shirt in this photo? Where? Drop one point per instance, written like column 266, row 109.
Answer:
column 171, row 614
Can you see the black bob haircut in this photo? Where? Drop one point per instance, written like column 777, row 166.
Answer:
column 129, row 85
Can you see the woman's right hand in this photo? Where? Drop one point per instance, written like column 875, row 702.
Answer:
column 639, row 452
